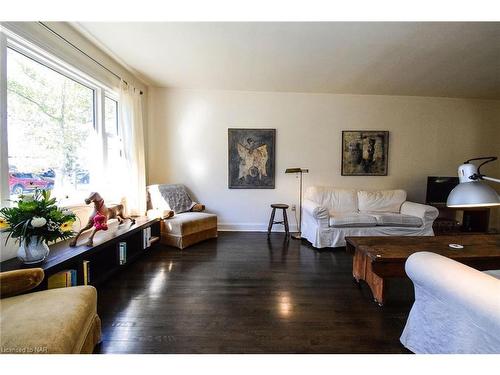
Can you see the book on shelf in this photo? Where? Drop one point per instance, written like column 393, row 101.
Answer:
column 62, row 279
column 146, row 236
column 122, row 253
column 73, row 277
column 86, row 272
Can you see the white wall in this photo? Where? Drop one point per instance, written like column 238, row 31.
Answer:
column 187, row 142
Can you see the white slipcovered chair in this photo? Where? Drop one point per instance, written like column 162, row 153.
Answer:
column 331, row 214
column 456, row 309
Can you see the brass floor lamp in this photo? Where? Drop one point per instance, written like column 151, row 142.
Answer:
column 300, row 171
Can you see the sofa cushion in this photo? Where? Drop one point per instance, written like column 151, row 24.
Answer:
column 51, row 321
column 389, row 219
column 337, row 201
column 189, row 222
column 381, row 201
column 352, row 220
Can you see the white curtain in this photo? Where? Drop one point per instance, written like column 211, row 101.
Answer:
column 133, row 146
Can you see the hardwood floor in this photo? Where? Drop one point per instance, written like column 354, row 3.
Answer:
column 242, row 293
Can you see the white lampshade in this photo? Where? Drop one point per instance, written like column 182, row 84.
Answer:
column 473, row 194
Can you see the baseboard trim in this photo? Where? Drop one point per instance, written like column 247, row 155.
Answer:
column 252, row 227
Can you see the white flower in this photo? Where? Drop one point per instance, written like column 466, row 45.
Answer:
column 38, row 222
column 27, row 197
column 67, row 212
column 52, row 226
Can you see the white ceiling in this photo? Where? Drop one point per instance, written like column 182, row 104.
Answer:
column 420, row 59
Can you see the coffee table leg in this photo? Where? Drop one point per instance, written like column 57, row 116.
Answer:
column 356, row 281
column 377, row 285
column 362, row 270
column 358, row 266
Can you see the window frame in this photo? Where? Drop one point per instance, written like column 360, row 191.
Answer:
column 106, row 136
column 9, row 40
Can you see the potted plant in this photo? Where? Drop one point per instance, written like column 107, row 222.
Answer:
column 34, row 223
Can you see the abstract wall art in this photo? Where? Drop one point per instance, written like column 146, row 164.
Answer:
column 251, row 158
column 365, row 152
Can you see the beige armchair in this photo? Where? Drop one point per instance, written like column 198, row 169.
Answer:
column 62, row 321
column 183, row 222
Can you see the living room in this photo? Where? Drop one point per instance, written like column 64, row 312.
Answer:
column 250, row 187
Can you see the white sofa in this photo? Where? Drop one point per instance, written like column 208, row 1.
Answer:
column 456, row 309
column 330, row 214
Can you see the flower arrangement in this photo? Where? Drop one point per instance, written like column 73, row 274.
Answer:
column 37, row 216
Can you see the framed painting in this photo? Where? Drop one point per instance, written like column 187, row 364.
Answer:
column 251, row 158
column 365, row 152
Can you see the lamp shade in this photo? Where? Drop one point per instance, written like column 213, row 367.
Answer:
column 296, row 170
column 473, row 194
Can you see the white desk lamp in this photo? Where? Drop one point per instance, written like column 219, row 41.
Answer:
column 472, row 191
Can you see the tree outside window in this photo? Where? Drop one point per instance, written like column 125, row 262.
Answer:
column 52, row 140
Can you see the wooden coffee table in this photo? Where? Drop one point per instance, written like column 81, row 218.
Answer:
column 378, row 258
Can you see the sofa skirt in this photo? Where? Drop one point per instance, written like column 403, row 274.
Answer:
column 335, row 237
column 188, row 228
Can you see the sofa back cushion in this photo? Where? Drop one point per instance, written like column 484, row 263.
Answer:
column 381, row 201
column 337, row 201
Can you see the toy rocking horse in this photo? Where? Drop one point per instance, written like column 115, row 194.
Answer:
column 100, row 216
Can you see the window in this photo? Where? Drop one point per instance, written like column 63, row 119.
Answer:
column 114, row 145
column 111, row 116
column 62, row 127
column 50, row 127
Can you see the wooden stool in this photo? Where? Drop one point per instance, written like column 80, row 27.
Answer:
column 285, row 218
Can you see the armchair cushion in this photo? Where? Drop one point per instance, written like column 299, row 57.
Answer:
column 190, row 222
column 19, row 281
column 188, row 228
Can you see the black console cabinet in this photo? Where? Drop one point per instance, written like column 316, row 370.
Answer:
column 461, row 220
column 103, row 257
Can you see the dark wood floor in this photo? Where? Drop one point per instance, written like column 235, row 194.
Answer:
column 244, row 294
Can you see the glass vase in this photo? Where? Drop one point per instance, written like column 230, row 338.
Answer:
column 35, row 252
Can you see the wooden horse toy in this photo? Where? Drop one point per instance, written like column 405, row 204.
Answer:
column 116, row 211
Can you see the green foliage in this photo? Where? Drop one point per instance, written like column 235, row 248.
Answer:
column 50, row 117
column 24, row 221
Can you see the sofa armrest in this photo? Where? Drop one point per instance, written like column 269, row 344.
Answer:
column 317, row 212
column 425, row 212
column 19, row 281
column 456, row 285
column 157, row 213
column 198, row 207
